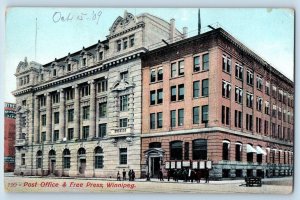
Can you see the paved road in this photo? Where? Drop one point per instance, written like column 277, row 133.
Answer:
column 51, row 184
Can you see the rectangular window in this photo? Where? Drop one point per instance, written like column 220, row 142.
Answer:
column 159, row 120
column 173, row 70
column 43, row 136
column 43, row 120
column 259, row 103
column 131, row 40
column 85, row 90
column 160, row 74
column 70, row 94
column 205, row 85
column 173, row 93
column 125, row 43
column 85, row 132
column 259, row 83
column 70, row 133
column 23, row 159
column 226, row 66
column 83, row 62
column 274, row 111
column 205, row 62
column 70, row 115
column 196, row 64
column 102, row 109
column 186, row 150
column 43, row 101
column 196, row 115
column 119, row 45
column 124, row 75
column 249, row 100
column 249, row 78
column 56, row 117
column 196, row 89
column 239, row 71
column 266, row 127
column 181, row 92
column 205, row 114
column 238, row 119
column 100, row 55
column 55, row 98
column 180, row 117
column 102, row 130
column 181, row 68
column 123, row 156
column 102, row 86
column 267, row 88
column 238, row 151
column 124, row 103
column 159, row 96
column 173, row 118
column 123, row 122
column 86, row 112
column 249, row 122
column 152, row 121
column 239, row 95
column 152, row 97
column 226, row 88
column 55, row 135
column 153, row 76
column 225, row 151
column 225, row 115
column 267, row 108
column 258, row 125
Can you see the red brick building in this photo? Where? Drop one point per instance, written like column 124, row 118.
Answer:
column 9, row 136
column 210, row 98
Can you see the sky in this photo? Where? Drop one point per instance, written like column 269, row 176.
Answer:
column 267, row 32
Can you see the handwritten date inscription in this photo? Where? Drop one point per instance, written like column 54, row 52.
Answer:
column 83, row 16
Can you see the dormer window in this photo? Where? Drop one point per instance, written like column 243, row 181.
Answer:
column 131, row 40
column 42, row 77
column 125, row 43
column 124, row 75
column 101, row 55
column 54, row 72
column 69, row 67
column 83, row 62
column 119, row 45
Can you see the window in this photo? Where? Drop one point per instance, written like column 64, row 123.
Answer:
column 238, row 119
column 123, row 122
column 238, row 95
column 54, row 72
column 186, row 150
column 98, row 158
column 119, row 45
column 43, row 101
column 124, row 75
column 279, row 131
column 267, row 88
column 200, row 149
column 102, row 109
column 258, row 125
column 55, row 135
column 267, row 107
column 176, row 150
column 159, row 120
column 249, row 122
column 152, row 97
column 154, row 145
column 43, row 120
column 70, row 94
column 173, row 118
column 259, row 103
column 196, row 115
column 273, row 129
column 205, row 88
column 225, row 115
column 70, row 115
column 226, row 87
column 205, row 62
column 249, row 78
column 196, row 64
column 69, row 67
column 124, row 103
column 100, row 55
column 43, row 136
column 239, row 71
column 259, row 83
column 266, row 127
column 279, row 113
column 274, row 91
column 84, row 62
column 226, row 145
column 125, row 43
column 23, row 121
column 85, row 90
column 160, row 96
column 70, row 133
column 152, row 121
column 238, row 152
column 280, row 95
column 56, row 117
column 102, row 86
column 205, row 114
column 196, row 89
column 67, row 159
column 131, row 40
column 153, row 76
column 173, row 70
column 181, row 92
column 102, row 130
column 123, row 156
column 85, row 132
column 39, row 159
column 86, row 112
column 226, row 66
column 23, row 159
column 274, row 110
column 180, row 117
column 249, row 100
column 173, row 93
column 55, row 97
column 160, row 74
column 181, row 68
column 250, row 155
column 24, row 103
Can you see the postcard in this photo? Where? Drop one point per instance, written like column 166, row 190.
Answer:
column 167, row 100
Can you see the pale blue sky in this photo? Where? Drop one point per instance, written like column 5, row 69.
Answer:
column 268, row 32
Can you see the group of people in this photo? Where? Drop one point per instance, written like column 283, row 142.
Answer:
column 186, row 175
column 131, row 175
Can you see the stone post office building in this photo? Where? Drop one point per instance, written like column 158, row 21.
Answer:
column 80, row 115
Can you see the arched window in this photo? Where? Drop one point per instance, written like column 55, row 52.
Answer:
column 98, row 158
column 226, row 145
column 39, row 159
column 160, row 74
column 81, row 152
column 155, row 145
column 238, row 151
column 200, row 149
column 66, row 159
column 176, row 150
column 250, row 151
column 52, row 153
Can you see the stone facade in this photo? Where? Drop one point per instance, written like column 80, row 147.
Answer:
column 204, row 72
column 81, row 115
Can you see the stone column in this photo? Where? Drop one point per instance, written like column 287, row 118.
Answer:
column 49, row 137
column 92, row 110
column 62, row 115
column 76, row 113
column 36, row 120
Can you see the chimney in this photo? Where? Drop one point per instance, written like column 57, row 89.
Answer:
column 184, row 32
column 172, row 30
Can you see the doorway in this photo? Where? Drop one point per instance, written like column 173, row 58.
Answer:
column 52, row 166
column 155, row 166
column 82, row 166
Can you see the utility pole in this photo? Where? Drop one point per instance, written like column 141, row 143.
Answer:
column 199, row 22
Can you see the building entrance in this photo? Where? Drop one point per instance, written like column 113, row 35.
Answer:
column 82, row 166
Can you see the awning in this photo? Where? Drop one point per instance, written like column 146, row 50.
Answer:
column 260, row 150
column 250, row 149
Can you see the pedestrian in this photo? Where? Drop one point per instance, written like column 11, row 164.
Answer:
column 207, row 176
column 192, row 175
column 133, row 175
column 168, row 174
column 118, row 176
column 129, row 175
column 198, row 174
column 161, row 178
column 175, row 175
column 124, row 175
column 185, row 175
